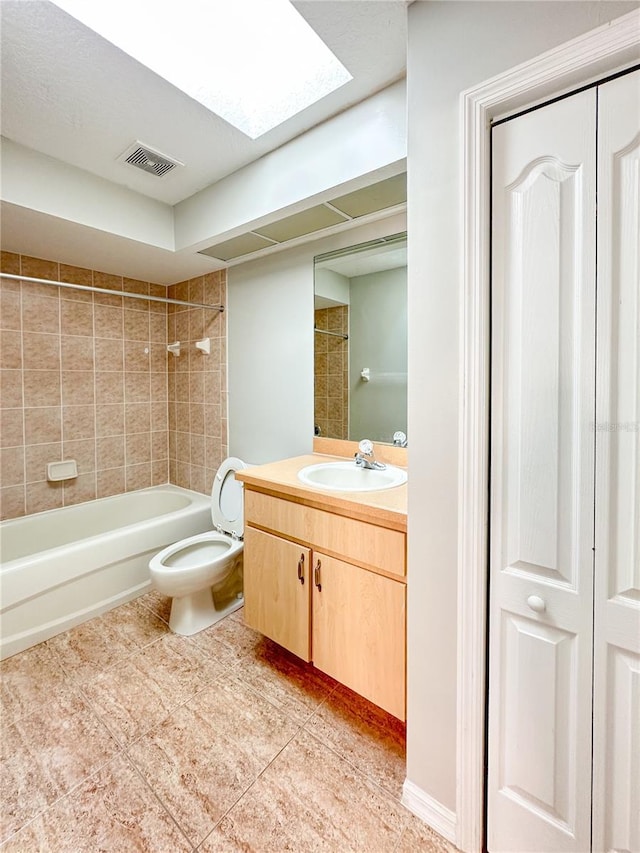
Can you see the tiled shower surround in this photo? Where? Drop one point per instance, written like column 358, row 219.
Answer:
column 86, row 376
column 331, row 367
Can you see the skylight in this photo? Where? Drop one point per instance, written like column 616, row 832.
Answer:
column 255, row 63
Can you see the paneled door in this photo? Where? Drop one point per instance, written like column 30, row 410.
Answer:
column 542, row 479
column 616, row 747
column 564, row 635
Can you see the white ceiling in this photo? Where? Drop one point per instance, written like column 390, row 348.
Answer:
column 69, row 94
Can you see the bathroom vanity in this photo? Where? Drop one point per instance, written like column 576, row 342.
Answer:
column 325, row 576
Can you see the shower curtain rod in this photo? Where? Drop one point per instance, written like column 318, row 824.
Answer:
column 102, row 290
column 335, row 334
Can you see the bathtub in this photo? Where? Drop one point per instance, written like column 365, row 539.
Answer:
column 62, row 567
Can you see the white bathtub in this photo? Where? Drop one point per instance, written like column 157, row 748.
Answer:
column 64, row 566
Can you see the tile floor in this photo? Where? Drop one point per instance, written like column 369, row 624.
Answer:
column 121, row 736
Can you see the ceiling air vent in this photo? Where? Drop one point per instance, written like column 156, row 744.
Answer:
column 149, row 160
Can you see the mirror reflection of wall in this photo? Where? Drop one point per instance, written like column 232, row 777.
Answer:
column 361, row 341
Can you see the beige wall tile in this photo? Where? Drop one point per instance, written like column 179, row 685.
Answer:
column 41, row 388
column 109, row 321
column 83, row 451
column 77, row 353
column 40, row 313
column 78, row 422
column 159, row 445
column 111, row 482
column 12, row 501
column 43, row 425
column 110, row 452
column 137, row 417
column 138, row 476
column 41, row 351
column 10, row 263
column 43, row 496
column 137, row 356
column 12, row 466
column 83, row 488
column 159, row 472
column 137, row 387
column 11, row 389
column 76, row 318
column 138, row 448
column 10, row 350
column 37, row 457
column 9, row 309
column 109, row 419
column 136, row 325
column 109, row 353
column 11, row 427
column 78, row 387
column 109, row 388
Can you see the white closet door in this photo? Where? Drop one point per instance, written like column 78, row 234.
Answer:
column 542, row 479
column 616, row 754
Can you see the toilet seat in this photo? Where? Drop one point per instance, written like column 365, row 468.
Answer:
column 227, row 505
column 200, row 552
column 192, row 562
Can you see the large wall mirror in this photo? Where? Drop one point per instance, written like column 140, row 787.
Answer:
column 361, row 341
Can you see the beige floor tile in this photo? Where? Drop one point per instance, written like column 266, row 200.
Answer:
column 309, row 799
column 202, row 758
column 112, row 811
column 368, row 737
column 47, row 753
column 96, row 645
column 28, row 681
column 296, row 687
column 142, row 690
column 157, row 603
column 418, row 836
column 239, row 639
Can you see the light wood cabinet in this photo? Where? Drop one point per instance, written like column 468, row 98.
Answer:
column 331, row 590
column 276, row 590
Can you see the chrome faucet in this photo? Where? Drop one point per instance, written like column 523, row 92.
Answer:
column 364, row 456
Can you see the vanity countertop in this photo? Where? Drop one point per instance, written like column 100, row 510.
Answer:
column 386, row 508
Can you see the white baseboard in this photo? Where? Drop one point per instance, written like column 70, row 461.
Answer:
column 441, row 819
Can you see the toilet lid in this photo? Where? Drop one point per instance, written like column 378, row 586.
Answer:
column 227, row 508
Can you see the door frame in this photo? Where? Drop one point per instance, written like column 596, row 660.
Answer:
column 610, row 48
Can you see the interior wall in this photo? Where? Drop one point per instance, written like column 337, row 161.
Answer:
column 197, row 388
column 451, row 47
column 378, row 341
column 84, row 377
column 331, row 373
column 87, row 376
column 270, row 328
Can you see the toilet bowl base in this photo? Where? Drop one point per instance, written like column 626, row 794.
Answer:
column 191, row 614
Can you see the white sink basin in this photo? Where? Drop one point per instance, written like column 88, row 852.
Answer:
column 348, row 477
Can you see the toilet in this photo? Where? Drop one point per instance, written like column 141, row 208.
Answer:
column 203, row 574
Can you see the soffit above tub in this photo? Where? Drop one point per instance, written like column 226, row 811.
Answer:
column 383, row 195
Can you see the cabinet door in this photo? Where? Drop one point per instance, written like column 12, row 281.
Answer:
column 359, row 631
column 277, row 589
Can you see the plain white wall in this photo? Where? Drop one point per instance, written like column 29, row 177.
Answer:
column 270, row 339
column 451, row 47
column 378, row 340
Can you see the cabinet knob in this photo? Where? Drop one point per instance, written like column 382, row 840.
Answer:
column 536, row 603
column 301, row 569
column 316, row 576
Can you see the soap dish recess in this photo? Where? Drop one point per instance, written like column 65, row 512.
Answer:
column 65, row 470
